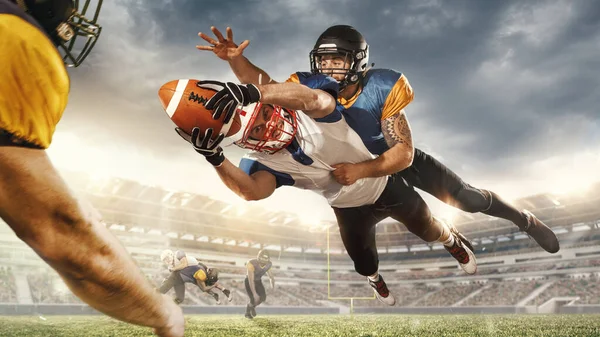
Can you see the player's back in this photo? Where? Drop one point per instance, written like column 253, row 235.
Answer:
column 34, row 83
column 307, row 162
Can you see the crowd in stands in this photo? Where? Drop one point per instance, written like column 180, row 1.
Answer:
column 294, row 287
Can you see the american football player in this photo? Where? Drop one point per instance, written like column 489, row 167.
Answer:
column 255, row 270
column 37, row 43
column 186, row 269
column 373, row 103
column 298, row 148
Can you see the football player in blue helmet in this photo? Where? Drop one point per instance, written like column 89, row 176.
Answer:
column 38, row 40
column 256, row 269
column 373, row 102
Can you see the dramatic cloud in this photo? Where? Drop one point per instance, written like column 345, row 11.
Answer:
column 506, row 92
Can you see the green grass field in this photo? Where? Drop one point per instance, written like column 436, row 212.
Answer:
column 321, row 325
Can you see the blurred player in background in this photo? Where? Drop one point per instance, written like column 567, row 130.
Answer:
column 186, row 269
column 34, row 200
column 255, row 270
column 373, row 102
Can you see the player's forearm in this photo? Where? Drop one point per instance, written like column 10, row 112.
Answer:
column 237, row 180
column 315, row 103
column 246, row 72
column 396, row 159
column 98, row 269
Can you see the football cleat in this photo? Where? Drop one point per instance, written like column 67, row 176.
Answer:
column 462, row 251
column 381, row 291
column 253, row 311
column 216, row 296
column 228, row 293
column 248, row 312
column 541, row 233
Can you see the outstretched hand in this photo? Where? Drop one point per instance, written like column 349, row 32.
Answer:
column 224, row 48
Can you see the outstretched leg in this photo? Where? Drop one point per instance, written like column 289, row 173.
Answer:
column 431, row 176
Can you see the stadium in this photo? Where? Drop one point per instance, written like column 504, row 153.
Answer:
column 313, row 274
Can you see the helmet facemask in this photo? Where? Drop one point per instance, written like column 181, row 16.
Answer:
column 357, row 60
column 279, row 128
column 83, row 34
column 65, row 22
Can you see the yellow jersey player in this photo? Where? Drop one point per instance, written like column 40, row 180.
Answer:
column 186, row 269
column 34, row 200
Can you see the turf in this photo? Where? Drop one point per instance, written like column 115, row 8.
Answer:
column 317, row 325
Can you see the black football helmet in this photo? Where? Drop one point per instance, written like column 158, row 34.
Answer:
column 346, row 42
column 212, row 276
column 263, row 256
column 65, row 22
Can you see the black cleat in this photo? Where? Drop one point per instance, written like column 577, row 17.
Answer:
column 541, row 233
column 248, row 312
column 462, row 251
column 216, row 296
column 227, row 293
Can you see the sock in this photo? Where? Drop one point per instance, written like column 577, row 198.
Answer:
column 374, row 278
column 447, row 239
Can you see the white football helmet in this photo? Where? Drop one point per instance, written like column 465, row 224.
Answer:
column 279, row 130
column 167, row 257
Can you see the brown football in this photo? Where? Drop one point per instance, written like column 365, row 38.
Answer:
column 183, row 101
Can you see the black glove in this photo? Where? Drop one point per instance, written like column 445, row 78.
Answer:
column 207, row 147
column 228, row 96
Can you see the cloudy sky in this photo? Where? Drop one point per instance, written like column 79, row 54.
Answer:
column 507, row 94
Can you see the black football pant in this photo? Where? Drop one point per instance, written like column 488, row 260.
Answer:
column 174, row 281
column 260, row 291
column 431, row 176
column 398, row 201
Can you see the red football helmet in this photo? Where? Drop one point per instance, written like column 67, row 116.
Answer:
column 265, row 128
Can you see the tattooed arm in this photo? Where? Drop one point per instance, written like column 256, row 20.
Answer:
column 397, row 134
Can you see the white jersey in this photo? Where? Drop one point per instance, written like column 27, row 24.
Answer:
column 322, row 142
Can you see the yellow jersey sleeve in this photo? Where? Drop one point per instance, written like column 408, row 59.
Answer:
column 34, row 84
column 200, row 275
column 293, row 78
column 398, row 98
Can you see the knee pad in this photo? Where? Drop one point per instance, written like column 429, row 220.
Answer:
column 473, row 200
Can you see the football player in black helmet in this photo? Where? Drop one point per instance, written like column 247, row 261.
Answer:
column 347, row 52
column 34, row 201
column 343, row 53
column 256, row 269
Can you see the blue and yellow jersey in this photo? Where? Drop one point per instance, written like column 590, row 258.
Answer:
column 259, row 271
column 383, row 93
column 34, row 84
column 194, row 273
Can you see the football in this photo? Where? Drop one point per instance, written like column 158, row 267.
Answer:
column 183, row 101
